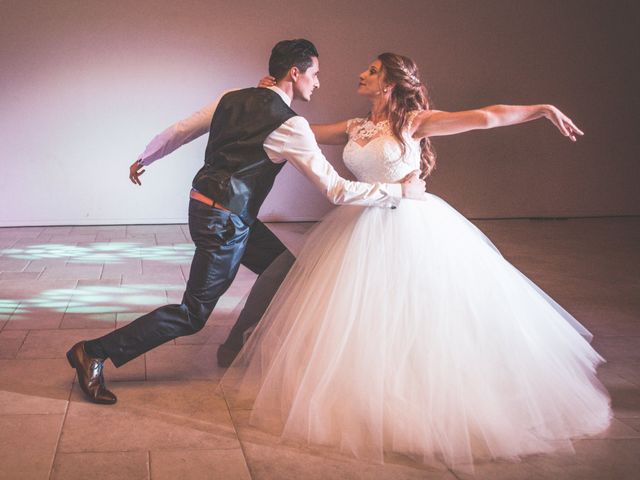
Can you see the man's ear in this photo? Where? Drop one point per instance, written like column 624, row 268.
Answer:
column 294, row 73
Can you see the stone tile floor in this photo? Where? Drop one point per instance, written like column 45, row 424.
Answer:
column 62, row 284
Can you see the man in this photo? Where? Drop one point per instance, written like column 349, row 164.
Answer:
column 252, row 133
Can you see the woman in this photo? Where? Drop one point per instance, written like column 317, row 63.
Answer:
column 405, row 330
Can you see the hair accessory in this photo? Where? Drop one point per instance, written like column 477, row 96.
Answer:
column 412, row 77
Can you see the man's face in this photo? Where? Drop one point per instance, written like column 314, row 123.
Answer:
column 305, row 83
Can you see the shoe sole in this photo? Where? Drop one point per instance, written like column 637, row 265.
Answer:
column 70, row 359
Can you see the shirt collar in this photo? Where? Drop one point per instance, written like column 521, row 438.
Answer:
column 284, row 96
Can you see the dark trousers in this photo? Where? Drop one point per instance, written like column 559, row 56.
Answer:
column 259, row 298
column 223, row 242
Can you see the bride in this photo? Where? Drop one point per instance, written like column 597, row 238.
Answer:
column 405, row 331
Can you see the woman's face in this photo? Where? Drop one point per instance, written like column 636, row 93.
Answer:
column 372, row 80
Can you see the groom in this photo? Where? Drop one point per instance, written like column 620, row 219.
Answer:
column 252, row 132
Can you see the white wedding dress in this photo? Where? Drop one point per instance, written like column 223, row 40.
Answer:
column 405, row 331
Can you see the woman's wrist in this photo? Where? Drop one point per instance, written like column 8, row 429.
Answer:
column 544, row 110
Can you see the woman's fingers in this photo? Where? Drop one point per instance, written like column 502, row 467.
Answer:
column 267, row 81
column 574, row 128
column 411, row 175
column 565, row 125
column 561, row 122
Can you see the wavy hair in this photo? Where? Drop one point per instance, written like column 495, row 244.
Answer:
column 408, row 94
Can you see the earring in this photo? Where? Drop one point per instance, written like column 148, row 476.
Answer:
column 384, row 89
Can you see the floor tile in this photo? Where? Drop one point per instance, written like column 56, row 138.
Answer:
column 153, row 229
column 150, row 267
column 13, row 403
column 625, row 401
column 166, row 415
column 132, row 371
column 618, row 348
column 40, row 290
column 130, row 267
column 35, row 319
column 593, row 460
column 619, row 430
column 219, row 464
column 34, row 386
column 258, row 443
column 183, row 362
column 76, row 272
column 170, row 238
column 633, row 422
column 8, row 264
column 88, row 320
column 55, row 230
column 267, row 462
column 101, row 466
column 173, row 277
column 10, row 342
column 55, row 343
column 28, row 445
column 174, row 295
column 40, row 264
column 7, row 242
column 20, row 232
column 102, row 281
column 170, row 412
column 73, row 238
column 19, row 276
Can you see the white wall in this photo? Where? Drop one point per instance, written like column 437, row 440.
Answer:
column 84, row 85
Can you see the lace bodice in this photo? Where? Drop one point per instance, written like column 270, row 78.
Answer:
column 374, row 155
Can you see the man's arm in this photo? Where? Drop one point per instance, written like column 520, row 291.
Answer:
column 294, row 141
column 173, row 137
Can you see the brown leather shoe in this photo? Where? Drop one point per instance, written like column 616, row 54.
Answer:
column 90, row 376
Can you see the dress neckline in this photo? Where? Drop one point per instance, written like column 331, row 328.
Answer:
column 368, row 131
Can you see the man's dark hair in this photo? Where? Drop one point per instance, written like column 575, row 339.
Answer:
column 290, row 53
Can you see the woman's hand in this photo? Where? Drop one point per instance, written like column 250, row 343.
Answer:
column 562, row 122
column 266, row 82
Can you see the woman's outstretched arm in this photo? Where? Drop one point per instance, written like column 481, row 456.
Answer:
column 331, row 133
column 432, row 123
column 326, row 134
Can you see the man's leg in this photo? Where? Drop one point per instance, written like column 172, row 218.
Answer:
column 260, row 297
column 266, row 255
column 263, row 247
column 220, row 239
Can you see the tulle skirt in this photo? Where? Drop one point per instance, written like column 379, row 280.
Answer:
column 405, row 331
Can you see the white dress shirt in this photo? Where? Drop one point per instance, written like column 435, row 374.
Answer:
column 292, row 141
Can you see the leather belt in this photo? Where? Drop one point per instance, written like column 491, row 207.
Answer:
column 196, row 195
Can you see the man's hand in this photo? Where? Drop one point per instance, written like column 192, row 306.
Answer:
column 413, row 186
column 135, row 170
column 266, row 82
